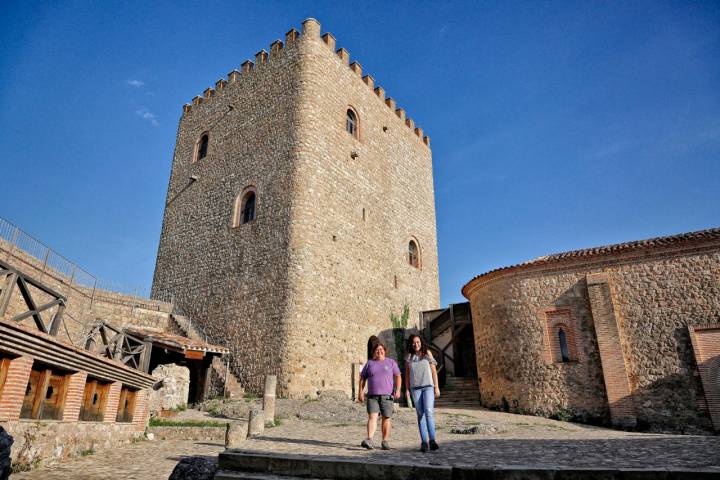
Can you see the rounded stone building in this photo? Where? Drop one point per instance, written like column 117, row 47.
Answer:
column 627, row 334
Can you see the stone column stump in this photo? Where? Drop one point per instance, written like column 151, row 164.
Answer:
column 256, row 426
column 269, row 398
column 235, row 434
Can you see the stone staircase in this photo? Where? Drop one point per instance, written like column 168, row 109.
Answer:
column 459, row 392
column 232, row 387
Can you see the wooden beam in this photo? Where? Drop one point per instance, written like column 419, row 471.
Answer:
column 40, row 393
column 57, row 320
column 145, row 357
column 6, row 293
column 41, row 308
column 27, row 296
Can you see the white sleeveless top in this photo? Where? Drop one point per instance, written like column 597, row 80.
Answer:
column 420, row 372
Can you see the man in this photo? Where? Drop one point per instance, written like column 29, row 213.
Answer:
column 382, row 376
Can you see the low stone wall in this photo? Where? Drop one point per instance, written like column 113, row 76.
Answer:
column 188, row 433
column 45, row 442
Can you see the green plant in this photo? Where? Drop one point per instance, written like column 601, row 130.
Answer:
column 179, row 408
column 87, row 452
column 276, row 423
column 562, row 414
column 162, row 422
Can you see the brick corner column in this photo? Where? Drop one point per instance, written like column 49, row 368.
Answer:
column 13, row 392
column 111, row 405
column 141, row 415
column 74, row 396
column 607, row 329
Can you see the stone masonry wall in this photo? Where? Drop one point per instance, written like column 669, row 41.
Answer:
column 353, row 220
column 233, row 280
column 510, row 341
column 84, row 306
column 50, row 441
column 298, row 291
column 655, row 296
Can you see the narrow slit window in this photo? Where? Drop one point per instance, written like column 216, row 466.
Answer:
column 351, row 123
column 413, row 257
column 564, row 352
column 248, row 208
column 202, row 147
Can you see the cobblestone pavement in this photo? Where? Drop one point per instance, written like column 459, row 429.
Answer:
column 140, row 461
column 519, row 441
column 508, row 440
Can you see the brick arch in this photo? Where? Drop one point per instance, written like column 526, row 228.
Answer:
column 556, row 319
column 418, row 252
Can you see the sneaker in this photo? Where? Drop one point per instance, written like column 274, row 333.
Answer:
column 385, row 445
column 423, row 447
column 367, row 444
column 434, row 445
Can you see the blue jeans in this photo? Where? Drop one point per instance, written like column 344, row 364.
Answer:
column 424, row 400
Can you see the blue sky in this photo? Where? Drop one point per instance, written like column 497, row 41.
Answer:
column 554, row 125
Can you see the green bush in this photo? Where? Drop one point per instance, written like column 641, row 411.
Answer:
column 163, row 422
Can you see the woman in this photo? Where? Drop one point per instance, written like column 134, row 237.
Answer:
column 372, row 342
column 422, row 382
column 382, row 376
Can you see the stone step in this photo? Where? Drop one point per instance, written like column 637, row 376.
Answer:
column 230, row 475
column 257, row 466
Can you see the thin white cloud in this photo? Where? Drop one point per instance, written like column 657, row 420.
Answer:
column 146, row 114
column 135, row 83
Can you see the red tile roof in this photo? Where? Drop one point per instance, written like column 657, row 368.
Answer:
column 711, row 234
column 175, row 341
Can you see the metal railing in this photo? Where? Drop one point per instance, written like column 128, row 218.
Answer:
column 52, row 261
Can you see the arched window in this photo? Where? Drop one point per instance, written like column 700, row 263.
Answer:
column 351, row 123
column 413, row 254
column 245, row 207
column 247, row 214
column 564, row 352
column 201, row 148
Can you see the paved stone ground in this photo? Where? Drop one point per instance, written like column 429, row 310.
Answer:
column 512, row 440
column 519, row 441
column 140, row 461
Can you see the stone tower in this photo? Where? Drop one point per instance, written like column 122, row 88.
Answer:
column 299, row 215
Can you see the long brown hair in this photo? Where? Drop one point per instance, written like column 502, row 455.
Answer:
column 372, row 342
column 409, row 346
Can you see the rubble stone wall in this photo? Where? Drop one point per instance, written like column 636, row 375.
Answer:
column 50, row 441
column 656, row 294
column 84, row 305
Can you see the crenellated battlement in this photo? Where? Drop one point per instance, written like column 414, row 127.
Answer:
column 311, row 29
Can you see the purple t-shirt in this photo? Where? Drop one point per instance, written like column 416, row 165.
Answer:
column 379, row 375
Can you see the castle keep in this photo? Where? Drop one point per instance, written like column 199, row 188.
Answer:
column 299, row 215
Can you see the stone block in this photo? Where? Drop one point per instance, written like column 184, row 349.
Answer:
column 235, row 434
column 256, row 425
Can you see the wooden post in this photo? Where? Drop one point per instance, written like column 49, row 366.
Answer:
column 145, row 357
column 6, row 292
column 43, row 383
column 56, row 320
column 269, row 398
